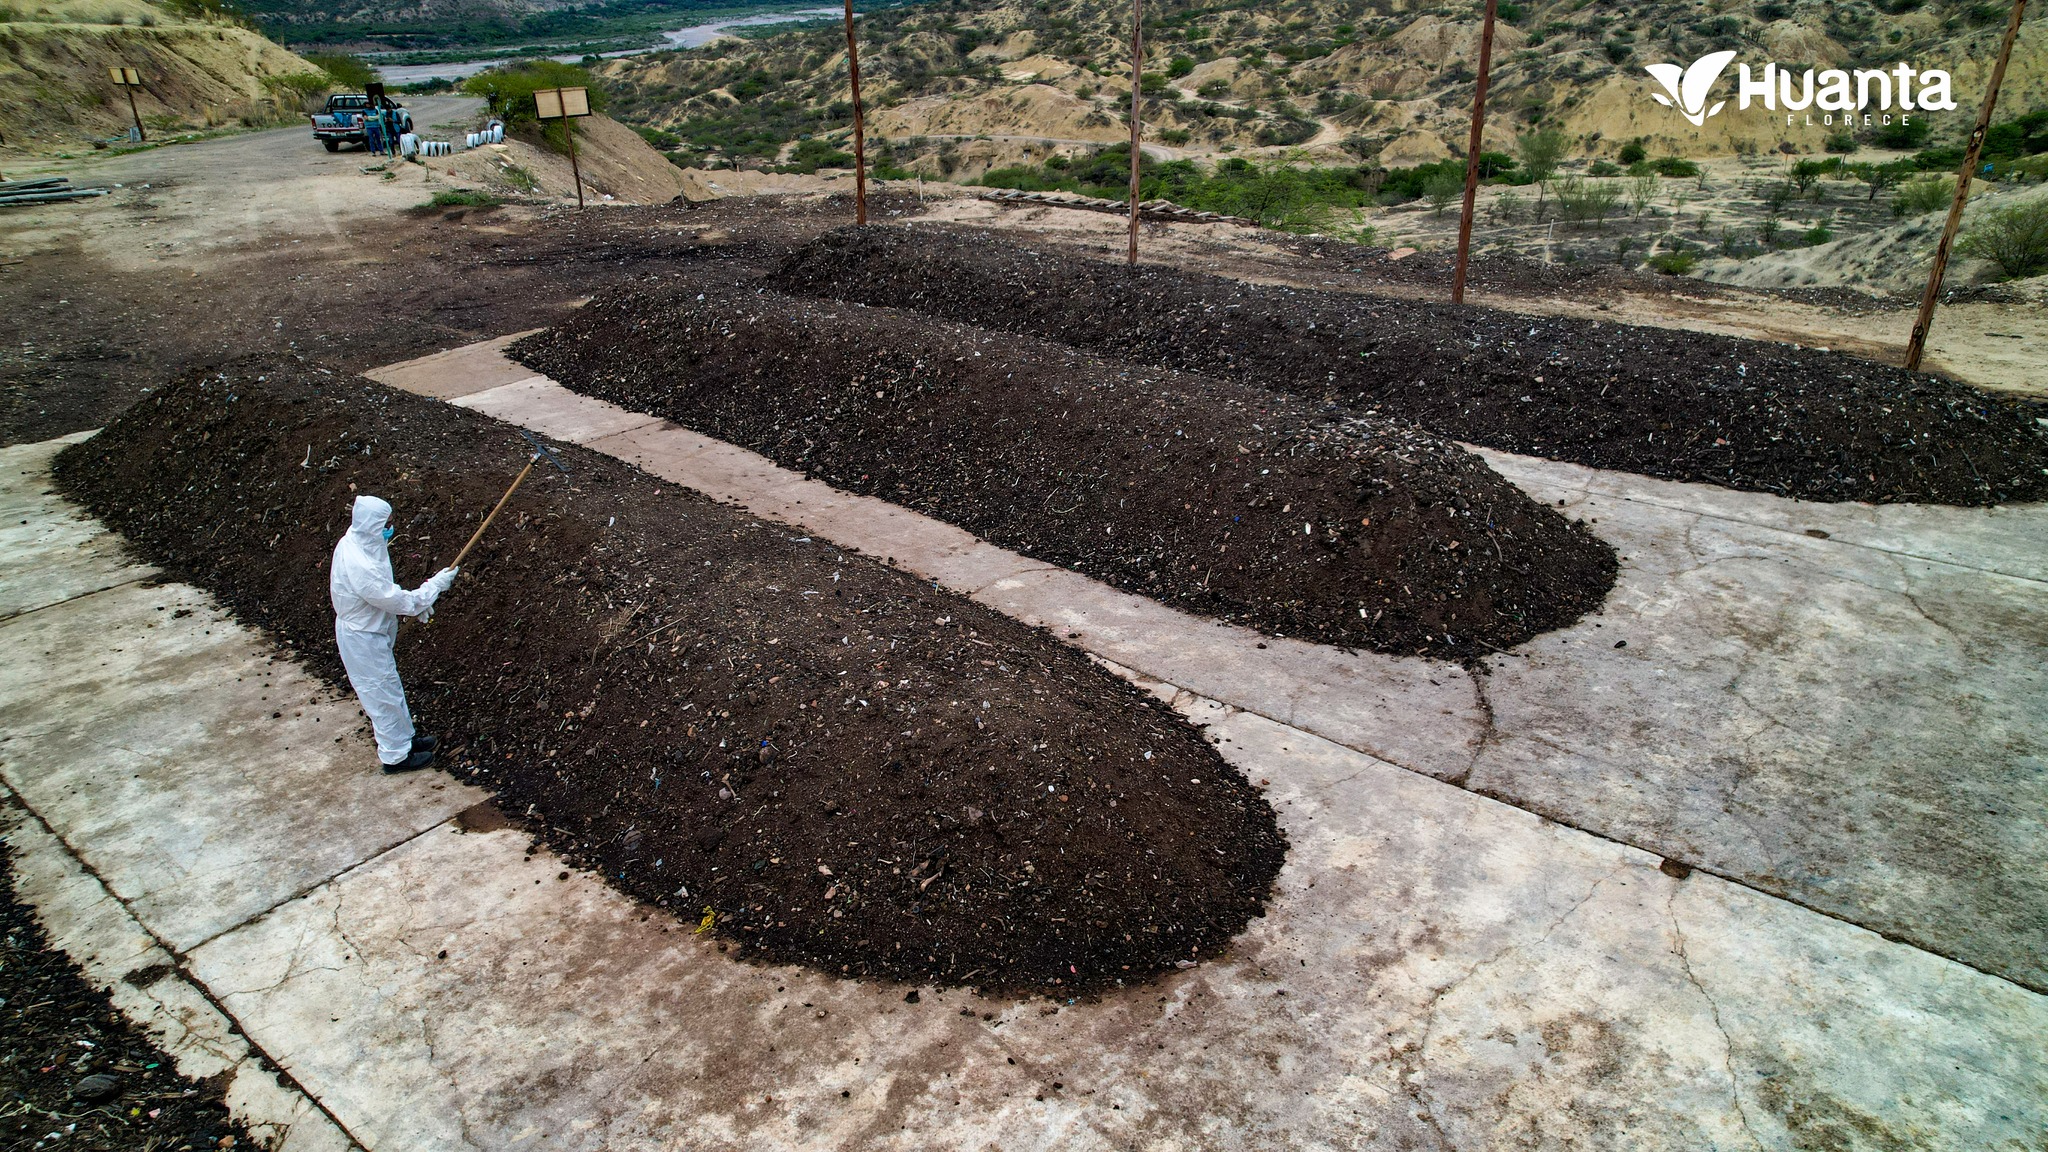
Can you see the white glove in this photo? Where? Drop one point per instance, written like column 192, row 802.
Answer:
column 426, row 613
column 442, row 581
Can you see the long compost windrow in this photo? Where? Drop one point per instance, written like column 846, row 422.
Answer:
column 814, row 755
column 1665, row 402
column 1220, row 498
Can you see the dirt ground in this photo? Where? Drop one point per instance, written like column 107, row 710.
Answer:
column 264, row 243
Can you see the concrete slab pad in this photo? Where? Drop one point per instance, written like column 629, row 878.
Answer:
column 1856, row 720
column 203, row 778
column 2003, row 539
column 554, row 410
column 210, row 779
column 931, row 548
column 118, row 955
column 49, row 551
column 458, row 371
column 1437, row 970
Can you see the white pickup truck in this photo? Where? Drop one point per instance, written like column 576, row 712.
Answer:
column 342, row 122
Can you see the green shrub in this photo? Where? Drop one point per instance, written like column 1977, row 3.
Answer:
column 810, row 155
column 1840, row 143
column 508, row 91
column 1924, row 195
column 348, row 71
column 1939, row 159
column 660, row 139
column 1678, row 262
column 2014, row 237
column 1818, row 234
column 1905, row 134
column 462, row 198
column 1582, row 201
column 300, row 88
column 1633, row 152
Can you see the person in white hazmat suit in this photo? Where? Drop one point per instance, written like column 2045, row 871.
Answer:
column 367, row 605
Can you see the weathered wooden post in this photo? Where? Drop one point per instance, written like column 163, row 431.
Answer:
column 860, row 156
column 1472, row 153
column 1916, row 344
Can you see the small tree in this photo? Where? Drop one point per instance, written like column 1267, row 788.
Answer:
column 1540, row 153
column 2014, row 237
column 1441, row 189
column 1641, row 191
column 1805, row 175
column 1768, row 230
column 509, row 93
column 1882, row 176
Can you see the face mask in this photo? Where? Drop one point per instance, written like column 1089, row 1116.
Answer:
column 390, row 532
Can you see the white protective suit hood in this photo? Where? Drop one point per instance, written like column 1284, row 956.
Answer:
column 360, row 584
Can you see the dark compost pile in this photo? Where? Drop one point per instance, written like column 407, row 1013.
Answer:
column 72, row 1065
column 1660, row 402
column 1222, row 499
column 851, row 769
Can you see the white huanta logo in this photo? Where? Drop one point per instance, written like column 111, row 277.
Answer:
column 1688, row 89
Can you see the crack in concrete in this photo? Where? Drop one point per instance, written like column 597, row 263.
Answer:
column 292, row 971
column 1714, row 1009
column 22, row 612
column 1905, row 592
column 1488, row 731
column 975, row 593
column 454, row 1085
column 1417, row 1090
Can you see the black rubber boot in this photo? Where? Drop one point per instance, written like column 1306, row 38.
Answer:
column 423, row 744
column 420, row 758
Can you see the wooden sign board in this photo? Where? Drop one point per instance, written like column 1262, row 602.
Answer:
column 374, row 90
column 126, row 76
column 556, row 103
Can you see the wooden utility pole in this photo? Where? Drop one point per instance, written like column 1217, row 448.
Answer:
column 1916, row 345
column 860, row 155
column 1472, row 153
column 1137, row 83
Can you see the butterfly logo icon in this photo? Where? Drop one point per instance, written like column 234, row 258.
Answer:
column 1688, row 89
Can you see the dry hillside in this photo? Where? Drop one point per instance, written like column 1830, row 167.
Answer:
column 198, row 71
column 1384, row 81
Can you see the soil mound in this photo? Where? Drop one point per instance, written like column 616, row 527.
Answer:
column 1674, row 404
column 1220, row 498
column 832, row 762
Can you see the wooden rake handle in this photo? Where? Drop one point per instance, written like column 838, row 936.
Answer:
column 457, row 562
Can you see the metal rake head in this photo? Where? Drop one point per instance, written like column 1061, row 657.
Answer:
column 541, row 450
